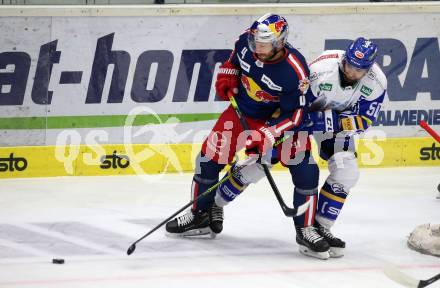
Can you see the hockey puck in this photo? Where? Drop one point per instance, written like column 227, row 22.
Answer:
column 58, row 261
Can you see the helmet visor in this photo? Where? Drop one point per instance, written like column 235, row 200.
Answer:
column 262, row 40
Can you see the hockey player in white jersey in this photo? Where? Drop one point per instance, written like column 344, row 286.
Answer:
column 349, row 88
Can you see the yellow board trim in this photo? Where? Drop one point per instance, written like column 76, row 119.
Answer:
column 111, row 159
column 332, row 197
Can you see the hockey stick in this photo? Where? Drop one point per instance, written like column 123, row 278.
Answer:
column 294, row 212
column 428, row 129
column 289, row 212
column 132, row 247
column 398, row 276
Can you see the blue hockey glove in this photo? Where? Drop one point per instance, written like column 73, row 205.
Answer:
column 323, row 121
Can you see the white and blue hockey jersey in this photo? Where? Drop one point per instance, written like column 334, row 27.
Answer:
column 364, row 98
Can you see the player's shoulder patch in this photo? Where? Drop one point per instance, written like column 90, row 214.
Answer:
column 376, row 75
column 374, row 84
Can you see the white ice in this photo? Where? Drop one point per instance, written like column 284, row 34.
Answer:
column 91, row 221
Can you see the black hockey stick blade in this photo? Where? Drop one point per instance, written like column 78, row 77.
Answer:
column 289, row 212
column 131, row 249
column 398, row 276
column 424, row 283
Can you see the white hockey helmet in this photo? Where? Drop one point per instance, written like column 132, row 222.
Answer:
column 269, row 28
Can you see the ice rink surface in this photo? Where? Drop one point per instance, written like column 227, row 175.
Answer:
column 91, row 221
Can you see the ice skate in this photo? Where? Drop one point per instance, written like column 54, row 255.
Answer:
column 190, row 224
column 216, row 219
column 311, row 243
column 337, row 246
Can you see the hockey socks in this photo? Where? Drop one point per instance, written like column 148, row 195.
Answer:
column 206, row 175
column 241, row 174
column 331, row 200
column 229, row 189
column 310, row 242
column 300, row 197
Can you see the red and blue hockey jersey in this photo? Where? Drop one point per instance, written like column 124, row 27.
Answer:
column 269, row 86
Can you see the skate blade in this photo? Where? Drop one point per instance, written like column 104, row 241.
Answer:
column 308, row 252
column 193, row 233
column 336, row 252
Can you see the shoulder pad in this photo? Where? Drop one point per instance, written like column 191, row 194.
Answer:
column 328, row 54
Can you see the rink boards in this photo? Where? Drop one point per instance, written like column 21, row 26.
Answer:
column 143, row 159
column 92, row 77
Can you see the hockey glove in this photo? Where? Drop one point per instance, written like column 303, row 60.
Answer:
column 260, row 141
column 323, row 121
column 263, row 139
column 227, row 80
column 332, row 121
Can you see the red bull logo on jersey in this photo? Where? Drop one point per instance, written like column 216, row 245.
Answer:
column 255, row 92
column 304, row 85
column 266, row 97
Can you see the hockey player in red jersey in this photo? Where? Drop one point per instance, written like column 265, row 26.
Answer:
column 269, row 80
